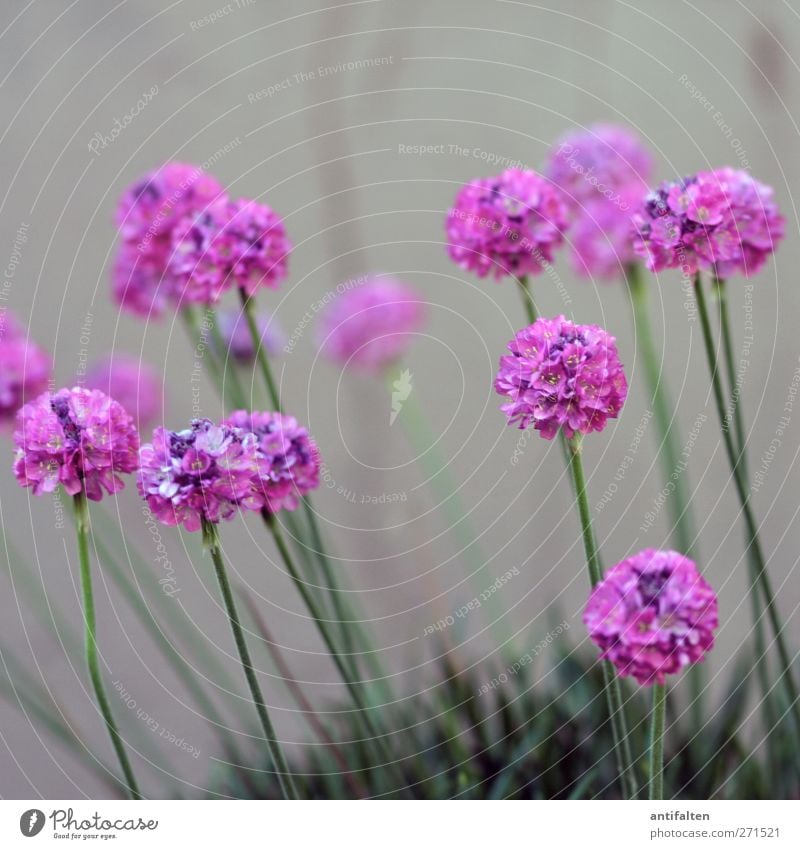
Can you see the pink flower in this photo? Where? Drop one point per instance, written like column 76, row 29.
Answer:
column 235, row 333
column 79, row 438
column 240, row 245
column 146, row 216
column 561, row 375
column 652, row 615
column 133, row 383
column 24, row 368
column 723, row 221
column 506, row 225
column 604, row 172
column 290, row 460
column 206, row 472
column 373, row 325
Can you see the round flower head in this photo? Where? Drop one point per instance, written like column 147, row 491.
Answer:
column 371, row 326
column 79, row 438
column 146, row 216
column 241, row 245
column 652, row 615
column 133, row 383
column 24, row 369
column 235, row 333
column 561, row 375
column 604, row 172
column 723, row 221
column 204, row 472
column 290, row 461
column 506, row 225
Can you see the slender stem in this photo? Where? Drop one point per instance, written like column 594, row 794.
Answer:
column 527, row 298
column 195, row 334
column 613, row 689
column 92, row 658
column 322, row 625
column 664, row 413
column 211, row 541
column 760, row 576
column 656, row 786
column 228, row 369
column 248, row 306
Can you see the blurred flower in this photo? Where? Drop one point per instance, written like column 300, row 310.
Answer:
column 290, row 461
column 133, row 383
column 562, row 375
column 204, row 472
column 24, row 368
column 146, row 215
column 506, row 225
column 721, row 220
column 236, row 335
column 604, row 172
column 240, row 244
column 652, row 615
column 371, row 326
column 77, row 437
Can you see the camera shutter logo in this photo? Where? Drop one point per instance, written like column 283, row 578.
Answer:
column 31, row 822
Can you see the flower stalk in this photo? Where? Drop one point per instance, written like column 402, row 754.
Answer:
column 656, row 784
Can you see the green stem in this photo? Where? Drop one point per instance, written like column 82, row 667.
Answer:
column 228, row 368
column 527, row 298
column 248, row 306
column 759, row 575
column 656, row 786
column 322, row 626
column 211, row 541
column 195, row 335
column 613, row 689
column 92, row 659
column 664, row 413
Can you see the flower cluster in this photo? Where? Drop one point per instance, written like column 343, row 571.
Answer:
column 652, row 615
column 24, row 368
column 289, row 467
column 561, row 375
column 724, row 221
column 507, row 225
column 604, row 172
column 371, row 326
column 205, row 472
column 241, row 244
column 237, row 339
column 146, row 215
column 132, row 382
column 79, row 438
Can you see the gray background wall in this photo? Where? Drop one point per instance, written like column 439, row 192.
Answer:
column 502, row 78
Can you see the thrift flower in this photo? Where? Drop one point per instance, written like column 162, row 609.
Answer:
column 24, row 368
column 506, row 225
column 561, row 375
column 133, row 383
column 290, row 461
column 207, row 472
column 373, row 325
column 79, row 438
column 652, row 615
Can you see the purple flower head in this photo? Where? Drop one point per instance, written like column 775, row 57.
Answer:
column 24, row 369
column 235, row 334
column 79, row 438
column 652, row 615
column 239, row 245
column 561, row 375
column 290, row 460
column 723, row 221
column 133, row 383
column 146, row 216
column 204, row 472
column 504, row 225
column 372, row 325
column 604, row 172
